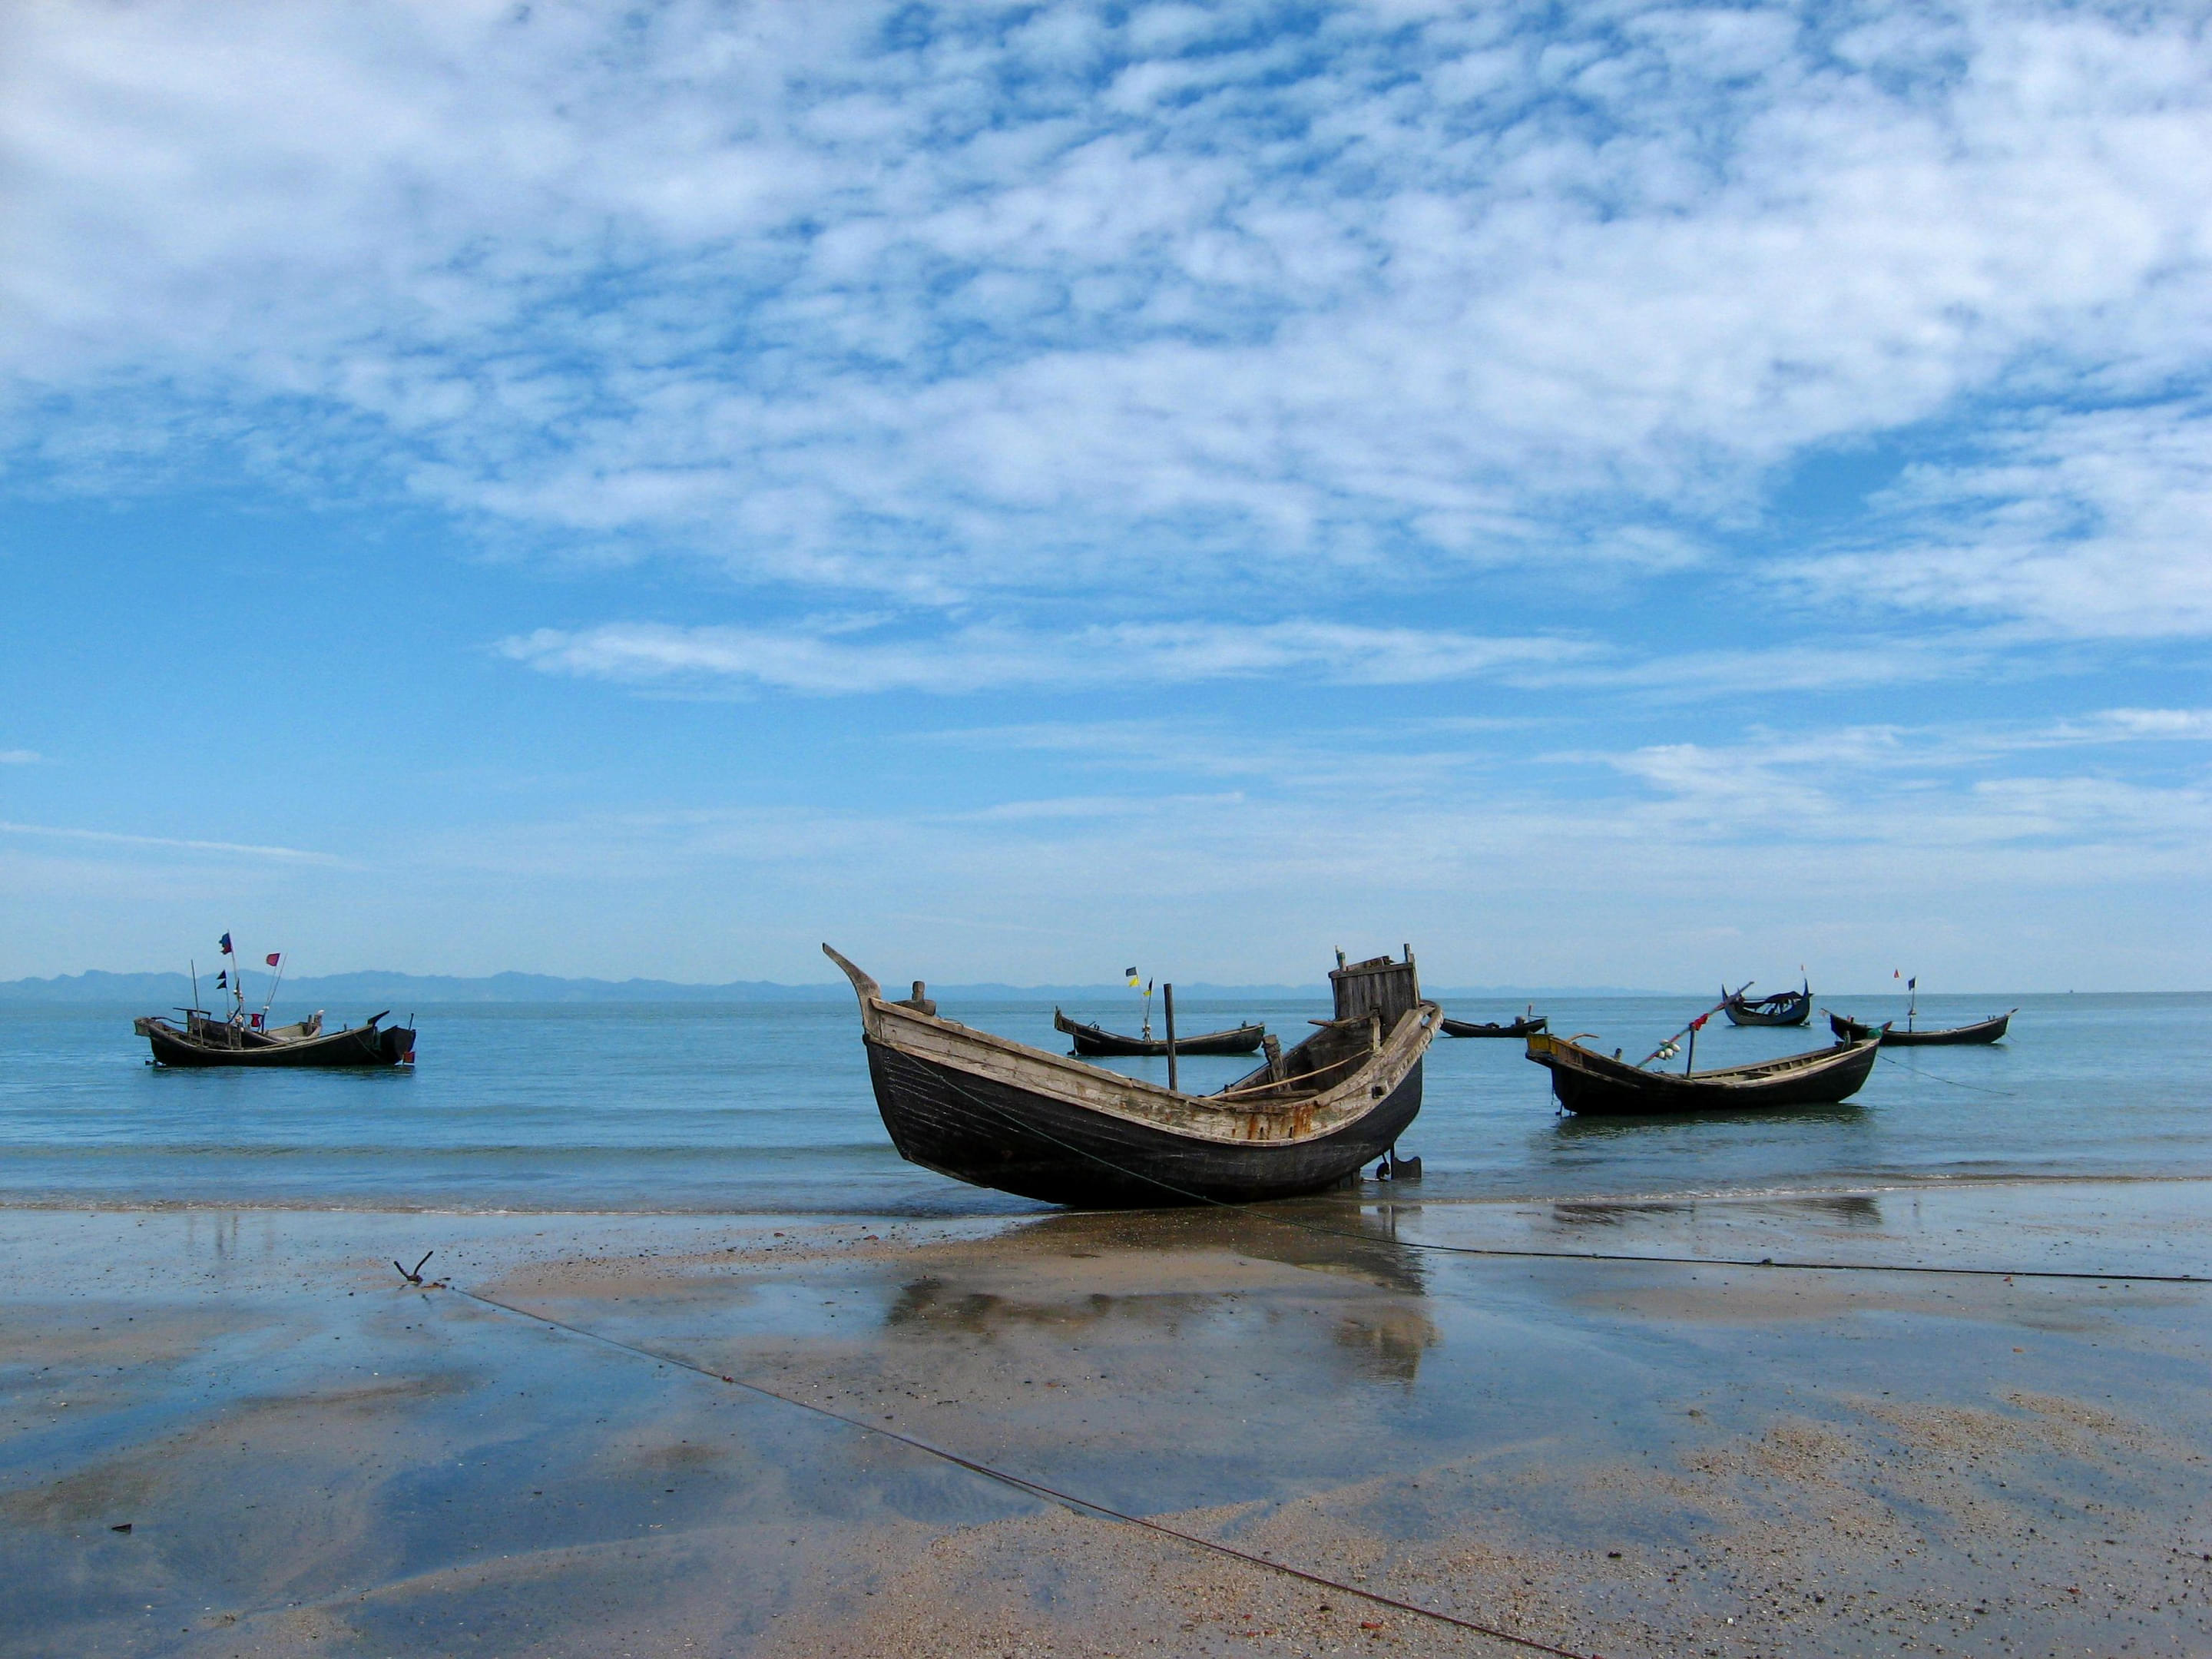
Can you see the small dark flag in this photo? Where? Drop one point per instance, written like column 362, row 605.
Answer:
column 226, row 944
column 222, row 978
column 1912, row 984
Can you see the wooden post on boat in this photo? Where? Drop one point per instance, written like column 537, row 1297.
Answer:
column 1167, row 1006
column 1690, row 1063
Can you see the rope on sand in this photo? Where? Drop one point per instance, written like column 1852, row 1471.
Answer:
column 1037, row 1488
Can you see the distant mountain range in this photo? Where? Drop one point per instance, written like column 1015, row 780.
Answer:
column 153, row 992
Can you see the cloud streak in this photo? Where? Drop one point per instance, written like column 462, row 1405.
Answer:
column 824, row 662
column 111, row 838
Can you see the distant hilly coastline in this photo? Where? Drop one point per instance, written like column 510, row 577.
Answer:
column 335, row 991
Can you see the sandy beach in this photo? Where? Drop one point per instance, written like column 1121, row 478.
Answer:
column 1615, row 1458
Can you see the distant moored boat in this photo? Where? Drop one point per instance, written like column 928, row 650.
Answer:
column 1511, row 1028
column 1095, row 1039
column 1982, row 1030
column 204, row 1041
column 244, row 1037
column 1585, row 1080
column 1782, row 1008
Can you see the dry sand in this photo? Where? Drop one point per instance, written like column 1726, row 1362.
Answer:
column 1613, row 1458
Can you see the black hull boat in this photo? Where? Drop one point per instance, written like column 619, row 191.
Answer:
column 999, row 1114
column 1587, row 1081
column 1983, row 1031
column 204, row 1041
column 1095, row 1039
column 1512, row 1028
column 1782, row 1008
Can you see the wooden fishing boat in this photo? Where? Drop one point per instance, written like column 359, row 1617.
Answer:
column 1982, row 1030
column 1585, row 1080
column 996, row 1113
column 1511, row 1028
column 1782, row 1008
column 1095, row 1039
column 206, row 1041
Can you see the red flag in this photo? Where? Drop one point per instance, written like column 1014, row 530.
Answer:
column 273, row 955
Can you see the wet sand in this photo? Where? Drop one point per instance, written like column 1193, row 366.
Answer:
column 1616, row 1458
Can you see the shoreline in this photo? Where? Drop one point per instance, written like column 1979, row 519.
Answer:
column 1618, row 1458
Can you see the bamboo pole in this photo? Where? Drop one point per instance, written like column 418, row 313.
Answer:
column 1167, row 1006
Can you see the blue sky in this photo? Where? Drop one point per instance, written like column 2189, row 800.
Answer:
column 1623, row 495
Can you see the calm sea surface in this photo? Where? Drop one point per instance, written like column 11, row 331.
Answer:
column 682, row 1107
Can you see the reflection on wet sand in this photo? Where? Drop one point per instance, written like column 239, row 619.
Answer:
column 1860, row 1210
column 1178, row 1275
column 1619, row 1458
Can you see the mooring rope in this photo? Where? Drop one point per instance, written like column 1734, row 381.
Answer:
column 1035, row 1488
column 2001, row 1094
column 1507, row 1252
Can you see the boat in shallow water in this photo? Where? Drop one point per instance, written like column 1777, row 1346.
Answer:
column 1095, row 1039
column 1782, row 1008
column 996, row 1113
column 1511, row 1028
column 1584, row 1080
column 204, row 1041
column 1982, row 1030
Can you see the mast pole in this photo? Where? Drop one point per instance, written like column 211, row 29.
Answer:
column 196, row 980
column 1167, row 1005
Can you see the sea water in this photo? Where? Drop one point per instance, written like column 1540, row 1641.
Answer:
column 766, row 1108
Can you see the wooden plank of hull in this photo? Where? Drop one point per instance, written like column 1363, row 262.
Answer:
column 1587, row 1082
column 992, row 1132
column 363, row 1045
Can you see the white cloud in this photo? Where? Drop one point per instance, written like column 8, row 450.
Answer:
column 2081, row 524
column 20, row 757
column 1046, row 303
column 829, row 661
column 1914, row 794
